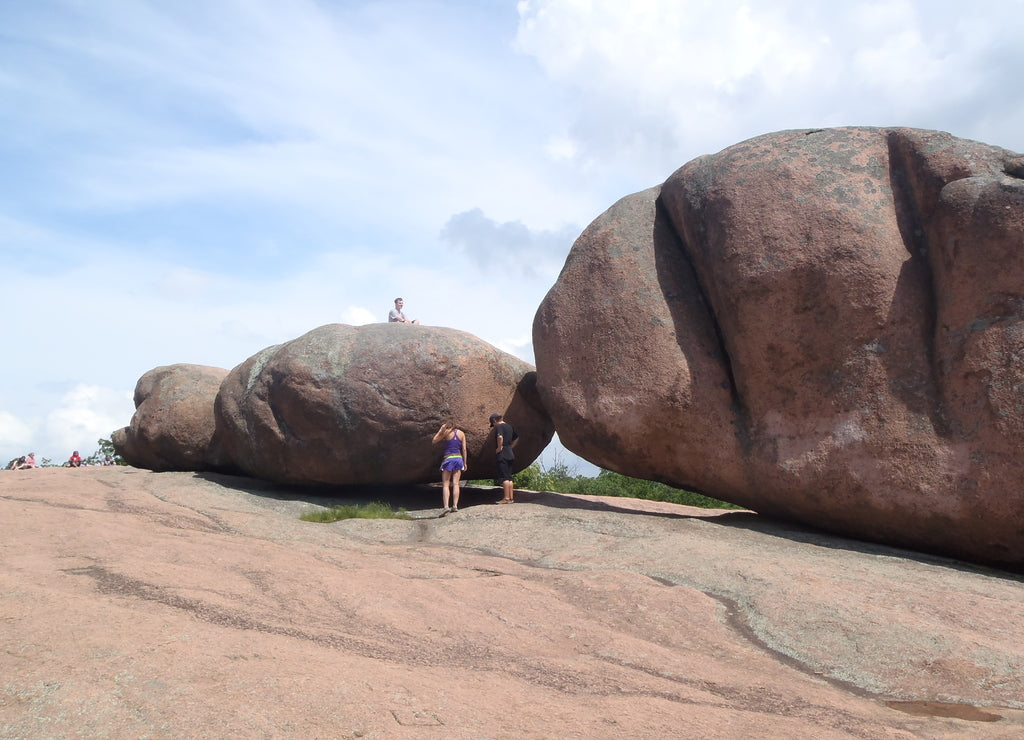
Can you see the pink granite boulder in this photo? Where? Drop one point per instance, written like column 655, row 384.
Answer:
column 345, row 405
column 823, row 325
column 173, row 426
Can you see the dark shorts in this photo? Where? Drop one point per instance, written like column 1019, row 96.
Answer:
column 502, row 471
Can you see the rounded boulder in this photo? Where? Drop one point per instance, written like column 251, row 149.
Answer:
column 173, row 426
column 347, row 405
column 823, row 325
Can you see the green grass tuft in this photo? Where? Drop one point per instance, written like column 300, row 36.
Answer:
column 375, row 510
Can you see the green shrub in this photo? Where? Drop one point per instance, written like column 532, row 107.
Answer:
column 559, row 478
column 375, row 510
column 106, row 447
column 608, row 483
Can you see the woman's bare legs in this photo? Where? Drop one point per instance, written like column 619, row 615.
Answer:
column 446, row 477
column 455, row 488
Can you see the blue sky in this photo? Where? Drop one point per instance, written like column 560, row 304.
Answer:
column 193, row 181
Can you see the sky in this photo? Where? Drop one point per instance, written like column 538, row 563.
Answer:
column 193, row 181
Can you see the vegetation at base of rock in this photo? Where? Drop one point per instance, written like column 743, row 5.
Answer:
column 104, row 447
column 560, row 478
column 375, row 510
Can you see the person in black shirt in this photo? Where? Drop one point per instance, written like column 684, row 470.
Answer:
column 505, row 440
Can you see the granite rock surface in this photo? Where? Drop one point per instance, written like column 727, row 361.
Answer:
column 169, row 605
column 822, row 325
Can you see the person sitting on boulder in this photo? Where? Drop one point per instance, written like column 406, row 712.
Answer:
column 396, row 314
column 75, row 461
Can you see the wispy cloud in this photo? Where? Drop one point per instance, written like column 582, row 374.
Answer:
column 82, row 416
column 508, row 246
column 663, row 81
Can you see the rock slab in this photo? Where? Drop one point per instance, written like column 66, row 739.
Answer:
column 823, row 325
column 171, row 605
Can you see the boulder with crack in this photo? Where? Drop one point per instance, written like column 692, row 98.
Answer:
column 823, row 325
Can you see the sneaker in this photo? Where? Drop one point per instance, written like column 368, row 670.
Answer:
column 453, row 509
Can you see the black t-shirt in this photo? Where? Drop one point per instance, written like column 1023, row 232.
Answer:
column 508, row 435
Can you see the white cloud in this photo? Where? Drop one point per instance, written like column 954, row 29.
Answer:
column 521, row 346
column 320, row 112
column 84, row 415
column 658, row 82
column 359, row 316
column 15, row 435
column 653, row 76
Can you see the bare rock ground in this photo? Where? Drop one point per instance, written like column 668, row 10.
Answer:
column 168, row 605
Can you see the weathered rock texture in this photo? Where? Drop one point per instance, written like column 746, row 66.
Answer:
column 142, row 605
column 824, row 325
column 349, row 405
column 173, row 426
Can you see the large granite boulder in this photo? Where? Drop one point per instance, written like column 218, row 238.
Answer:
column 348, row 405
column 173, row 426
column 824, row 325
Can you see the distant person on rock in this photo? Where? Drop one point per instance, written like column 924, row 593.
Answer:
column 453, row 462
column 396, row 314
column 75, row 461
column 24, row 463
column 505, row 439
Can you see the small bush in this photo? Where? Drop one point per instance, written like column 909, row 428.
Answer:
column 106, row 447
column 375, row 510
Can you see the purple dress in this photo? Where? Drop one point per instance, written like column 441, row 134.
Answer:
column 452, row 460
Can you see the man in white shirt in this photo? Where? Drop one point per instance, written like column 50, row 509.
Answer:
column 396, row 315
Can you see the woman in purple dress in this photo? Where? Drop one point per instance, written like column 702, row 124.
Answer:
column 453, row 462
